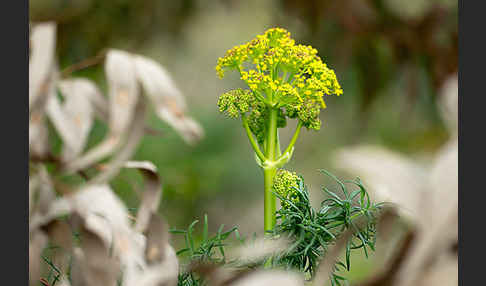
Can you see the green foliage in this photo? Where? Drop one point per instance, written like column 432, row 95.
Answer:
column 313, row 231
column 209, row 250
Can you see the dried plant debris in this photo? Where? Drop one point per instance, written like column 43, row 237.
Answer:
column 270, row 277
column 151, row 196
column 127, row 149
column 93, row 264
column 109, row 247
column 37, row 242
column 125, row 92
column 41, row 63
column 81, row 98
column 133, row 82
column 392, row 176
column 257, row 250
column 418, row 191
column 167, row 98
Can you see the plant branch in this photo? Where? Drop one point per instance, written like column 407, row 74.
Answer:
column 294, row 137
column 253, row 143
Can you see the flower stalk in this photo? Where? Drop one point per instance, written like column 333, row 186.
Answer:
column 269, row 173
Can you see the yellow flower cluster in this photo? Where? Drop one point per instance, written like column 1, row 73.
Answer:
column 283, row 75
column 285, row 184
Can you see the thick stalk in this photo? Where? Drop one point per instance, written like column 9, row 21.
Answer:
column 270, row 200
column 269, row 172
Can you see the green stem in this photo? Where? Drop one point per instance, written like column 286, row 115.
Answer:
column 277, row 147
column 269, row 199
column 338, row 223
column 269, row 172
column 294, row 137
column 253, row 143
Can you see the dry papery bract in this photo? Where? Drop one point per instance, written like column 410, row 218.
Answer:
column 425, row 195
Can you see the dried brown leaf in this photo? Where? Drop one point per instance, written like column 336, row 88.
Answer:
column 427, row 247
column 444, row 273
column 93, row 264
column 123, row 72
column 95, row 154
column 41, row 192
column 157, row 239
column 167, row 98
column 103, row 215
column 63, row 281
column 158, row 84
column 259, row 249
column 164, row 273
column 270, row 277
column 60, row 236
column 152, row 194
column 163, row 266
column 123, row 91
column 187, row 127
column 390, row 177
column 72, row 118
column 41, row 63
column 326, row 266
column 37, row 242
column 126, row 151
column 124, row 101
column 443, row 183
column 38, row 135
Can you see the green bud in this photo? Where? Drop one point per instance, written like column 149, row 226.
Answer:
column 285, row 184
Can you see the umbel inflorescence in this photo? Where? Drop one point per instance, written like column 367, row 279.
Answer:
column 284, row 80
column 279, row 74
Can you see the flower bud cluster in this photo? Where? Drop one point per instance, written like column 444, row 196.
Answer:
column 285, row 184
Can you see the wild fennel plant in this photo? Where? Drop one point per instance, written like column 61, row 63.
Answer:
column 284, row 80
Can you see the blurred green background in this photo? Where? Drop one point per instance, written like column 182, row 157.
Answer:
column 391, row 58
